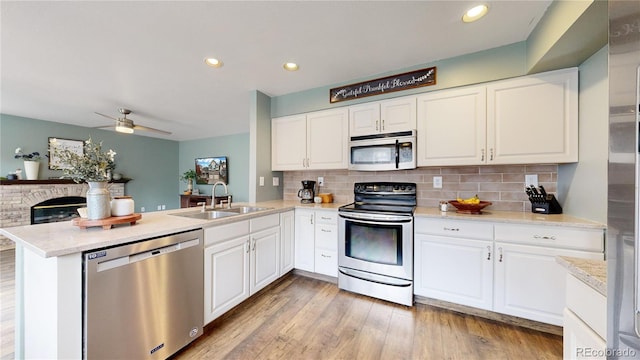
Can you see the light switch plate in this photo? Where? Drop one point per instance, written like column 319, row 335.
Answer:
column 437, row 182
column 276, row 181
column 261, row 180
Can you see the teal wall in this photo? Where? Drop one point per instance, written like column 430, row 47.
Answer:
column 234, row 147
column 151, row 163
column 498, row 63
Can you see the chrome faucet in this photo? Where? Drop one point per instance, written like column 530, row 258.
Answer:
column 213, row 195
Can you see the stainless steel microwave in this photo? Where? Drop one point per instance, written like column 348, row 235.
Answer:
column 391, row 151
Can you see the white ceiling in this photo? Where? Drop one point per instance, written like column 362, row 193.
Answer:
column 63, row 61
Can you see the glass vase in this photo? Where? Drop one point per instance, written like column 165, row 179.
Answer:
column 98, row 200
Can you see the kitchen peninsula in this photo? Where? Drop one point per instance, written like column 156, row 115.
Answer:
column 49, row 306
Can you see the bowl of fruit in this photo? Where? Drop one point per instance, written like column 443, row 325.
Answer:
column 472, row 205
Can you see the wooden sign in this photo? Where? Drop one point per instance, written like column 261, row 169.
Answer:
column 408, row 80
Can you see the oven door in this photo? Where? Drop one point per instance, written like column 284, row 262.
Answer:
column 376, row 243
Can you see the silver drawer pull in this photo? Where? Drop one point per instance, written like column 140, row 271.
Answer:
column 324, row 218
column 451, row 229
column 325, row 230
column 544, row 237
column 325, row 256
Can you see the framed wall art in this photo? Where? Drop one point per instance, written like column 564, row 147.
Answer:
column 76, row 146
column 210, row 170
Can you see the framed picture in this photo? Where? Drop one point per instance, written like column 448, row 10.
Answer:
column 76, row 146
column 211, row 170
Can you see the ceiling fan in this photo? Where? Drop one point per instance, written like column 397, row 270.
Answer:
column 127, row 126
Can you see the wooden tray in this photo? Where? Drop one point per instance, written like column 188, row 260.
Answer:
column 106, row 223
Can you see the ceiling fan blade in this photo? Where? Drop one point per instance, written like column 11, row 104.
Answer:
column 102, row 127
column 144, row 128
column 107, row 116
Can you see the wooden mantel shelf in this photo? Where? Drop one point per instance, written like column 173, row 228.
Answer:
column 52, row 182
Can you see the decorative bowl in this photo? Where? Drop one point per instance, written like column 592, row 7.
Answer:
column 469, row 208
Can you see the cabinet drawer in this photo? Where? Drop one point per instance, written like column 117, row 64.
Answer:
column 326, row 237
column 326, row 262
column 455, row 228
column 220, row 233
column 265, row 222
column 327, row 217
column 552, row 236
column 588, row 304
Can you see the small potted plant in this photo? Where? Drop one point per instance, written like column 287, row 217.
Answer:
column 31, row 163
column 188, row 177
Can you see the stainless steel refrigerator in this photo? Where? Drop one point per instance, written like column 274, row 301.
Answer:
column 623, row 239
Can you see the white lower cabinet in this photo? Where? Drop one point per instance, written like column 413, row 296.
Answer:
column 316, row 243
column 454, row 261
column 287, row 239
column 585, row 322
column 239, row 259
column 506, row 268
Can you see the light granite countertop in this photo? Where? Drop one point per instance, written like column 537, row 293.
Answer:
column 591, row 272
column 63, row 238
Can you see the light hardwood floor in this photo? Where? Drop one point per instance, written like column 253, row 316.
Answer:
column 305, row 318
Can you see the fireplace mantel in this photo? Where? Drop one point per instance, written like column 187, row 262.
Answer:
column 52, row 182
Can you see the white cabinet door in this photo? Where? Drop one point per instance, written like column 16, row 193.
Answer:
column 287, row 239
column 533, row 119
column 304, row 241
column 452, row 127
column 398, row 114
column 327, row 139
column 454, row 269
column 529, row 283
column 226, row 276
column 383, row 116
column 265, row 258
column 288, row 142
column 579, row 340
column 364, row 119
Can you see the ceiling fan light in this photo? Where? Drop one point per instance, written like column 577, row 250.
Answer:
column 124, row 128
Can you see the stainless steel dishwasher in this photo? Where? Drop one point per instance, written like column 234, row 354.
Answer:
column 143, row 300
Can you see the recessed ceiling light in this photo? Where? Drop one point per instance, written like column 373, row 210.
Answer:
column 213, row 62
column 290, row 66
column 475, row 13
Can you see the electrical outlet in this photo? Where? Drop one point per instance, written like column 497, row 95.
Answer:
column 276, row 181
column 320, row 181
column 159, row 207
column 164, row 207
column 142, row 209
column 261, row 180
column 437, row 182
column 531, row 180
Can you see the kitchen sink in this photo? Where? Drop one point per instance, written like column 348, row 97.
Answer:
column 210, row 214
column 206, row 215
column 246, row 209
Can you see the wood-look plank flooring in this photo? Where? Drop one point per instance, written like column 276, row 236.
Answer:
column 305, row 318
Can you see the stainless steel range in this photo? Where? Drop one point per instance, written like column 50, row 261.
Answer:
column 375, row 253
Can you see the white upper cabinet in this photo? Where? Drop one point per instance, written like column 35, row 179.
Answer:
column 530, row 119
column 310, row 141
column 534, row 119
column 383, row 116
column 452, row 127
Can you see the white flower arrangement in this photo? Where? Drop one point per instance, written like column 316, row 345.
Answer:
column 93, row 165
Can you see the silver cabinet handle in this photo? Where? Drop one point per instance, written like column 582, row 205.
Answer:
column 324, row 218
column 254, row 245
column 377, row 121
column 500, row 257
column 450, row 229
column 325, row 230
column 325, row 256
column 544, row 237
column 482, row 155
column 311, row 218
column 248, row 246
column 491, row 154
column 488, row 252
column 382, row 127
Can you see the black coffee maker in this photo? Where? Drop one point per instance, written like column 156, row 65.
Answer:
column 307, row 192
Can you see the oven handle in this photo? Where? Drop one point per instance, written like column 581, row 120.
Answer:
column 397, row 154
column 374, row 278
column 370, row 218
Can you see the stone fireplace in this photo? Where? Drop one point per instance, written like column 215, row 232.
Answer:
column 17, row 198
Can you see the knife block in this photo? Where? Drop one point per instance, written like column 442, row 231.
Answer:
column 549, row 205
